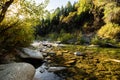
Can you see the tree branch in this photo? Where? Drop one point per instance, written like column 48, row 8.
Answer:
column 4, row 9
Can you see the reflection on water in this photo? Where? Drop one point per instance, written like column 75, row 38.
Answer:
column 43, row 74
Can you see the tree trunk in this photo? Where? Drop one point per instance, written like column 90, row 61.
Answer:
column 4, row 9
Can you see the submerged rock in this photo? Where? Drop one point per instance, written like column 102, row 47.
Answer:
column 42, row 73
column 92, row 45
column 70, row 62
column 55, row 69
column 51, row 53
column 78, row 53
column 17, row 71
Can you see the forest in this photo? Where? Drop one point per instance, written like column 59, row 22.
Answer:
column 83, row 23
column 75, row 22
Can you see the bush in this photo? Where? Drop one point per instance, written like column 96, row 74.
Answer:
column 15, row 33
column 80, row 39
column 110, row 31
column 53, row 36
column 64, row 37
column 112, row 13
column 102, row 42
column 96, row 40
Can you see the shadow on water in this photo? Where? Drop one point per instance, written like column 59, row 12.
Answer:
column 35, row 62
column 42, row 72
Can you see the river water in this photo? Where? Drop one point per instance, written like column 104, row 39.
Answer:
column 43, row 74
column 45, row 71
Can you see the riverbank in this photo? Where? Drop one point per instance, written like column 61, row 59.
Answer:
column 89, row 62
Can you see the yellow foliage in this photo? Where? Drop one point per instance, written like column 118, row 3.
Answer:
column 84, row 5
column 69, row 17
column 112, row 13
column 110, row 31
column 15, row 32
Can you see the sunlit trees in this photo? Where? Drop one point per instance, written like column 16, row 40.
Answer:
column 110, row 31
column 85, row 16
column 84, row 5
column 18, row 22
column 112, row 13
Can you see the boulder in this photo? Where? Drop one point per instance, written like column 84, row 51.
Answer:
column 17, row 71
column 29, row 53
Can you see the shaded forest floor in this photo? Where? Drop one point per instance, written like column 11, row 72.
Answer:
column 96, row 63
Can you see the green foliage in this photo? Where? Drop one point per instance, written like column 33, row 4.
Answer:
column 15, row 34
column 102, row 42
column 85, row 16
column 16, row 29
column 34, row 11
column 95, row 40
column 64, row 37
column 53, row 36
column 84, row 5
column 110, row 30
column 80, row 39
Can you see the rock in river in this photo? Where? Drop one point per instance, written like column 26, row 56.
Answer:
column 79, row 54
column 55, row 69
column 17, row 71
column 32, row 53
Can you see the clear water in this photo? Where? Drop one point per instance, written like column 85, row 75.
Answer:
column 43, row 74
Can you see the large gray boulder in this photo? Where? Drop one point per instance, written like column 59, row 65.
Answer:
column 17, row 71
column 30, row 53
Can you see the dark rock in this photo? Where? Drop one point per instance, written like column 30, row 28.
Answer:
column 17, row 71
column 48, row 58
column 51, row 53
column 45, row 54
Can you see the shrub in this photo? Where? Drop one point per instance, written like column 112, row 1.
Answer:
column 15, row 33
column 80, row 39
column 96, row 40
column 102, row 42
column 64, row 37
column 112, row 13
column 110, row 31
column 53, row 36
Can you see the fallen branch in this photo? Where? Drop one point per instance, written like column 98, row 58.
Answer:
column 115, row 60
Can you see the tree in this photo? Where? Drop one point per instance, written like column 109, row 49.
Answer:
column 112, row 13
column 17, row 26
column 69, row 7
column 110, row 31
column 3, row 8
column 84, row 5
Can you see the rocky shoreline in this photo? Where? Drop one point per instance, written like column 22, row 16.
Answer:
column 73, row 62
